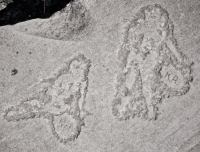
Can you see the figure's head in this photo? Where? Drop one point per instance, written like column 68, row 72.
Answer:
column 78, row 67
column 149, row 28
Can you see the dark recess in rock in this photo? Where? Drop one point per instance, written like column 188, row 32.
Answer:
column 23, row 10
column 14, row 72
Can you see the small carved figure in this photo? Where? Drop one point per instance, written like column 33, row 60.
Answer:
column 61, row 100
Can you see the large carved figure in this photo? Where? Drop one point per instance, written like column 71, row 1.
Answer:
column 151, row 66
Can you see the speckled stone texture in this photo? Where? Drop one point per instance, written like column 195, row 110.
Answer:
column 103, row 76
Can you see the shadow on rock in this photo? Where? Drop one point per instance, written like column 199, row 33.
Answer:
column 23, row 10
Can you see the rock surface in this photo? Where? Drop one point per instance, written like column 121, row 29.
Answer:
column 105, row 76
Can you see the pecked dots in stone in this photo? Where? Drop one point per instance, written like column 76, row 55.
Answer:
column 129, row 101
column 61, row 123
column 150, row 26
column 61, row 100
column 151, row 66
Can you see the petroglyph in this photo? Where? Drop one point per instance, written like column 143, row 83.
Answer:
column 61, row 100
column 151, row 66
column 171, row 76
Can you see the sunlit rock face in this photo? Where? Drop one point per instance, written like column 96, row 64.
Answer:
column 127, row 81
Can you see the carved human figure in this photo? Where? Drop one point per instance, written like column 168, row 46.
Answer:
column 61, row 100
column 148, row 52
